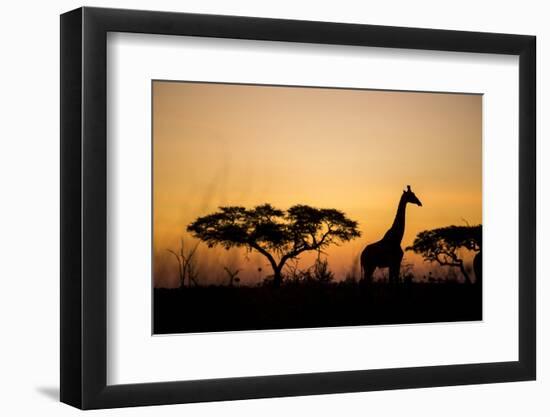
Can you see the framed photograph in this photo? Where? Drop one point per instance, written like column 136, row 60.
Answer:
column 257, row 207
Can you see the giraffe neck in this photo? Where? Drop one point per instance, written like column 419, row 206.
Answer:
column 396, row 231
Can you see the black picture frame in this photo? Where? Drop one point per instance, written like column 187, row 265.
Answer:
column 84, row 207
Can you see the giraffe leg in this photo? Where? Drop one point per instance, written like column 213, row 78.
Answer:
column 369, row 270
column 394, row 272
column 395, row 268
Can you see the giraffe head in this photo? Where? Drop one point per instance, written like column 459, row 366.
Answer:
column 411, row 197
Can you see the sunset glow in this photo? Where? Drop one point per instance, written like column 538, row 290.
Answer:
column 353, row 150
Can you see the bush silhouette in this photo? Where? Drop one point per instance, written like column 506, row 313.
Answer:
column 186, row 264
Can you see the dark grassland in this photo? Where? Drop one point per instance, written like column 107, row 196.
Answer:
column 222, row 308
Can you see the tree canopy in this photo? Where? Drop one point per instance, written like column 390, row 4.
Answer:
column 276, row 234
column 442, row 245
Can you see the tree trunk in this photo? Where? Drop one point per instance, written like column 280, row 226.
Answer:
column 466, row 276
column 478, row 268
column 277, row 276
column 277, row 268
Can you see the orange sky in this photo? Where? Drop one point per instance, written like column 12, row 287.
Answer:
column 354, row 150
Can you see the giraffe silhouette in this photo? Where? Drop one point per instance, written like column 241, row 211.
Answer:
column 387, row 253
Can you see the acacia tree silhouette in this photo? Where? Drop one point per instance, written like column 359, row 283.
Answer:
column 442, row 245
column 274, row 233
